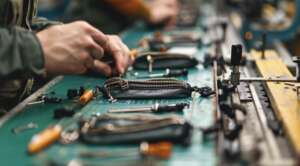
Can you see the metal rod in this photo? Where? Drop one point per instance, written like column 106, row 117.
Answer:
column 270, row 79
column 128, row 110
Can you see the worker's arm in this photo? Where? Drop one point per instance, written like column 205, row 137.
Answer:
column 20, row 53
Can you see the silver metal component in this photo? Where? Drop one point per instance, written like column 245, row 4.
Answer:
column 273, row 148
column 132, row 110
column 270, row 79
column 150, row 63
column 23, row 128
column 36, row 102
column 69, row 136
column 157, row 75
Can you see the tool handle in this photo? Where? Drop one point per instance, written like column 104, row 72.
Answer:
column 171, row 108
column 162, row 150
column 44, row 139
column 176, row 73
column 86, row 97
column 133, row 54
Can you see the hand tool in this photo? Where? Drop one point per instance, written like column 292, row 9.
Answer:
column 168, row 73
column 157, row 108
column 52, row 133
column 45, row 99
column 161, row 150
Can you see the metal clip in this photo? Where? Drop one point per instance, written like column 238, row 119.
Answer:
column 150, row 63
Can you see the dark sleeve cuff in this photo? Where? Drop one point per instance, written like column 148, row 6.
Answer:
column 33, row 54
column 40, row 23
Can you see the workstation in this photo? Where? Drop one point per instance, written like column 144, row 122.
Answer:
column 218, row 84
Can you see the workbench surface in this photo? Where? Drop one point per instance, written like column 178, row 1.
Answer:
column 13, row 149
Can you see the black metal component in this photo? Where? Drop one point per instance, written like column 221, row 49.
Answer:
column 63, row 113
column 263, row 46
column 177, row 73
column 236, row 57
column 81, row 90
column 227, row 110
column 226, row 90
column 224, row 26
column 171, row 108
column 297, row 61
column 72, row 93
column 244, row 92
column 52, row 100
column 204, row 91
column 272, row 121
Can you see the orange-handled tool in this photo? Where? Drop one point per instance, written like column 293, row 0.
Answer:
column 44, row 139
column 161, row 150
column 86, row 97
column 133, row 54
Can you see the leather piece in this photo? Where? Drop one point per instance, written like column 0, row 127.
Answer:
column 163, row 61
column 151, row 93
column 176, row 133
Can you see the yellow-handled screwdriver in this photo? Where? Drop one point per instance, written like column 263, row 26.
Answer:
column 50, row 135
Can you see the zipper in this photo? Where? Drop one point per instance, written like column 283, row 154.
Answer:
column 148, row 122
column 153, row 84
column 162, row 83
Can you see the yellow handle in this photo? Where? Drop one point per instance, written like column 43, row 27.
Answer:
column 86, row 97
column 44, row 139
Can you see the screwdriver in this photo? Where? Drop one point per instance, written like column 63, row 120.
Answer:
column 52, row 134
column 168, row 73
column 156, row 108
column 161, row 150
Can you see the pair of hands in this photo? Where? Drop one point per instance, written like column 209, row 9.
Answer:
column 77, row 47
column 163, row 11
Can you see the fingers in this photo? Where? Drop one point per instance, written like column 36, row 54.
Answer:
column 100, row 43
column 102, row 68
column 125, row 51
column 97, row 52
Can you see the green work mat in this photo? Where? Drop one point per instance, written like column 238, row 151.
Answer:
column 13, row 149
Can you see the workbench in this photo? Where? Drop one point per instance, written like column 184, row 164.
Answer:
column 13, row 149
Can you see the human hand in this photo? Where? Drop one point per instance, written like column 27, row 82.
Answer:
column 76, row 47
column 163, row 11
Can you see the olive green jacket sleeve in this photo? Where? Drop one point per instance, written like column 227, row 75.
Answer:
column 20, row 53
column 41, row 23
